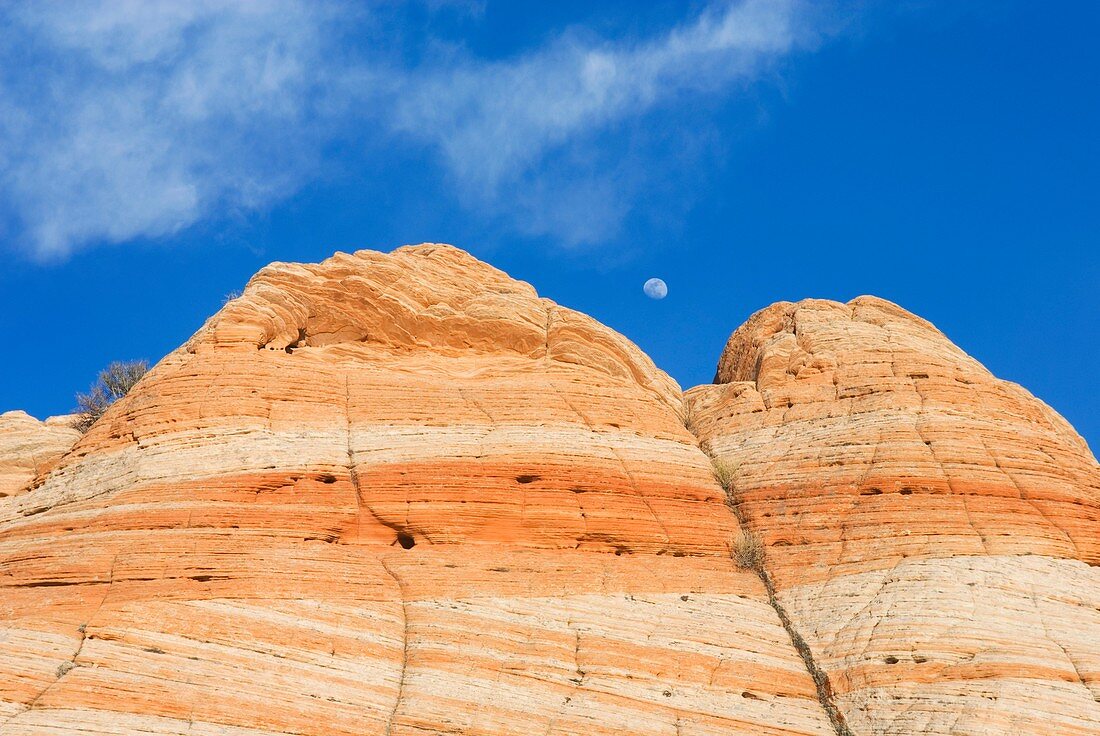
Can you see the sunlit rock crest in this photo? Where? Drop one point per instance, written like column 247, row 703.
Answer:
column 402, row 494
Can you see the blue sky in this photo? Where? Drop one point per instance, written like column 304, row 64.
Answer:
column 943, row 155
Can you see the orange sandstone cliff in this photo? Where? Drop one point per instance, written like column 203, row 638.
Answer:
column 401, row 494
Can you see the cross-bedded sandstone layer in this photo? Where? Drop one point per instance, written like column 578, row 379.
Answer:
column 390, row 494
column 29, row 448
column 401, row 494
column 932, row 532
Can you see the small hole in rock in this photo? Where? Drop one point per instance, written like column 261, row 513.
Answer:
column 405, row 540
column 891, row 660
column 526, row 478
column 906, row 491
column 749, row 695
column 328, row 479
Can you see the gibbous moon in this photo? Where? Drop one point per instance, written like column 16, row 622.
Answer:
column 655, row 289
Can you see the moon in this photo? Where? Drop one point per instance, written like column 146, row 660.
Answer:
column 655, row 289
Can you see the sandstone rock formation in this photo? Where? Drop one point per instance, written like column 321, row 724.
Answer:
column 933, row 532
column 401, row 494
column 225, row 551
column 30, row 448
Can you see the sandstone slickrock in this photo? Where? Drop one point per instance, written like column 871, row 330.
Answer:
column 400, row 494
column 30, row 448
column 932, row 532
column 390, row 494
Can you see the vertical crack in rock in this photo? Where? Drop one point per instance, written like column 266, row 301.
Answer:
column 360, row 501
column 546, row 343
column 1026, row 498
column 641, row 496
column 404, row 646
column 62, row 669
column 351, row 459
column 69, row 664
column 919, row 427
column 1065, row 652
column 821, row 680
column 818, row 675
column 622, row 463
column 472, row 401
column 581, row 674
column 577, row 681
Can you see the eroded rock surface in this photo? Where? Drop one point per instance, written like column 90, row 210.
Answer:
column 401, row 494
column 390, row 494
column 29, row 448
column 932, row 531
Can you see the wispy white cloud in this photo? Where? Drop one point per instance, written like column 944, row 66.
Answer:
column 499, row 124
column 128, row 119
column 492, row 119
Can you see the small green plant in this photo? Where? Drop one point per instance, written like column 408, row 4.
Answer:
column 64, row 668
column 689, row 417
column 725, row 472
column 113, row 382
column 747, row 551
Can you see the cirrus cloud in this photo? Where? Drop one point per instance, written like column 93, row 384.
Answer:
column 124, row 120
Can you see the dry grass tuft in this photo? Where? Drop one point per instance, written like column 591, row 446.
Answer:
column 689, row 417
column 747, row 551
column 725, row 472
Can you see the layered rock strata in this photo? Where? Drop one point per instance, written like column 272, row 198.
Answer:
column 401, row 494
column 29, row 448
column 932, row 532
column 390, row 494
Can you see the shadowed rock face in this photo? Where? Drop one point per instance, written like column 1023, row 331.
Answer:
column 401, row 494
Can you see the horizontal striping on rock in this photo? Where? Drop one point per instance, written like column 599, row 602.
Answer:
column 401, row 494
column 29, row 449
column 390, row 494
column 932, row 532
